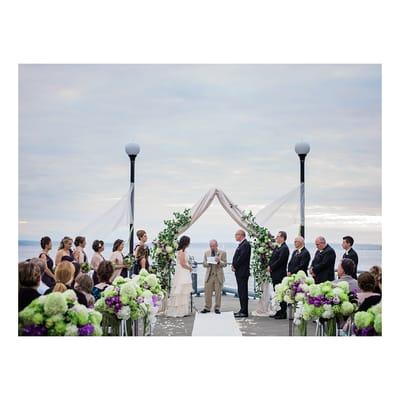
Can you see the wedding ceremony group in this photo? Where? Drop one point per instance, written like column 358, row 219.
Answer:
column 72, row 295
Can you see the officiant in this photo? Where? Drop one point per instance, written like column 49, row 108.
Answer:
column 214, row 262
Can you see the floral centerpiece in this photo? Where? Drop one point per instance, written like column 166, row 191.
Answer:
column 368, row 323
column 329, row 302
column 59, row 314
column 292, row 290
column 263, row 244
column 165, row 246
column 130, row 299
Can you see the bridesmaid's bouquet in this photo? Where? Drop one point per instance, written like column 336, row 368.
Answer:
column 85, row 267
column 368, row 323
column 59, row 314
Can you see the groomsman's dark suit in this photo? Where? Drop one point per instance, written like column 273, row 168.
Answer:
column 323, row 264
column 278, row 266
column 241, row 264
column 299, row 260
column 351, row 253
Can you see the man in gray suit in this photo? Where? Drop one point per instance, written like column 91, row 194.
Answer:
column 214, row 261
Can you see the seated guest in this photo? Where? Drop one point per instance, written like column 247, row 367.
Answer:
column 300, row 257
column 97, row 258
column 42, row 265
column 367, row 298
column 65, row 272
column 345, row 272
column 48, row 276
column 350, row 253
column 28, row 282
column 377, row 273
column 323, row 264
column 84, row 284
column 104, row 273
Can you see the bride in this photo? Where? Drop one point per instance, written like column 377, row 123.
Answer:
column 178, row 303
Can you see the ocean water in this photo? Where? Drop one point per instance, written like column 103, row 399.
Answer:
column 368, row 255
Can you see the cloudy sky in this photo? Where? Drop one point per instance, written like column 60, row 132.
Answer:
column 200, row 126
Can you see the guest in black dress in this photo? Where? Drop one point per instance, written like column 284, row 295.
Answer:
column 48, row 276
column 65, row 273
column 367, row 298
column 28, row 282
column 141, row 253
column 104, row 273
column 79, row 253
column 65, row 253
column 347, row 245
column 97, row 258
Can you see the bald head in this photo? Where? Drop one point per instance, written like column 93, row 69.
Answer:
column 213, row 245
column 240, row 235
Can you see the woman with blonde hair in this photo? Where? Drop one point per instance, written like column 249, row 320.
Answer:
column 64, row 275
column 64, row 252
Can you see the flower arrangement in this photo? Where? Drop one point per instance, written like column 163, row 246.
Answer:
column 368, row 323
column 85, row 267
column 263, row 244
column 164, row 247
column 131, row 299
column 328, row 301
column 59, row 314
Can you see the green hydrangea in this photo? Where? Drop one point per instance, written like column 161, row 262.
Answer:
column 55, row 304
column 363, row 319
column 346, row 308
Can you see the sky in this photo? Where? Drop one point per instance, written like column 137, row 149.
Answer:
column 200, row 126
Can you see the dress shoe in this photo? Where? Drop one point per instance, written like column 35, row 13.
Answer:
column 272, row 316
column 217, row 311
column 205, row 311
column 241, row 315
column 280, row 316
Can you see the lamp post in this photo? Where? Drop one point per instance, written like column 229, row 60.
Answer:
column 302, row 149
column 132, row 149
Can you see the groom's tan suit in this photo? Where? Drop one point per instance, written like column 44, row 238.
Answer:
column 214, row 278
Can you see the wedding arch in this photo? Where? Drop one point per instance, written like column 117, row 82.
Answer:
column 165, row 245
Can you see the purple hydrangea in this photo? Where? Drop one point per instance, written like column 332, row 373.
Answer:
column 34, row 330
column 86, row 330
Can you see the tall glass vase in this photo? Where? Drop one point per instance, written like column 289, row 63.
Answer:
column 330, row 327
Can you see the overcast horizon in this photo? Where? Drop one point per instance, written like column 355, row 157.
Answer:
column 200, row 126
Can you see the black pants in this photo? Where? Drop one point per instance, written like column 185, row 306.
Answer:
column 243, row 292
column 282, row 304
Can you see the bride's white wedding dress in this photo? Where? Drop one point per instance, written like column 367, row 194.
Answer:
column 181, row 287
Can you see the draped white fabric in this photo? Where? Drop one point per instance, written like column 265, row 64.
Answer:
column 201, row 206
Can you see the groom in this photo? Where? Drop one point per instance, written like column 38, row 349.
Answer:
column 241, row 268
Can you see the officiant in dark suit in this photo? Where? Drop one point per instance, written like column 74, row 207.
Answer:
column 323, row 263
column 347, row 245
column 300, row 258
column 278, row 267
column 241, row 268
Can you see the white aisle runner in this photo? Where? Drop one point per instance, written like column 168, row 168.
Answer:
column 212, row 324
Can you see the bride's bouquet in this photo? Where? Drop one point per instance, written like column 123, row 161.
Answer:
column 368, row 323
column 59, row 314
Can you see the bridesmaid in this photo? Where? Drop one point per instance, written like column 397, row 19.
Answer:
column 79, row 253
column 64, row 252
column 48, row 277
column 117, row 258
column 97, row 258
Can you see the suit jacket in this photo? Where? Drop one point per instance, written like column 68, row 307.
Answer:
column 241, row 260
column 353, row 256
column 219, row 267
column 323, row 264
column 278, row 263
column 299, row 261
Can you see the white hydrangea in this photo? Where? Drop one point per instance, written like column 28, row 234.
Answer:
column 124, row 313
column 71, row 330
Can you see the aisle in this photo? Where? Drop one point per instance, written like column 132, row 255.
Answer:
column 212, row 324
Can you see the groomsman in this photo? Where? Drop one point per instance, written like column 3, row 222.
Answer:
column 214, row 279
column 323, row 264
column 241, row 268
column 278, row 267
column 300, row 258
column 347, row 245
